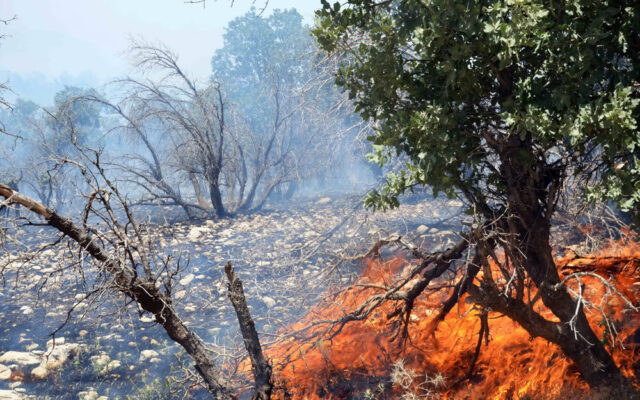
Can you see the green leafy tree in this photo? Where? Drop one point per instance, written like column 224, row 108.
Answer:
column 282, row 111
column 501, row 103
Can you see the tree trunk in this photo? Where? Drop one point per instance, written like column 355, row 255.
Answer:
column 216, row 200
column 530, row 204
column 215, row 195
column 196, row 188
column 260, row 365
column 593, row 361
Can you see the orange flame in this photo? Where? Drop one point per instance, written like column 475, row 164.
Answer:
column 435, row 363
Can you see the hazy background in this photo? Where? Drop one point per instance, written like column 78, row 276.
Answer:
column 54, row 43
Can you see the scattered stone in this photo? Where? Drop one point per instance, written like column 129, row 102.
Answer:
column 113, row 365
column 26, row 310
column 58, row 341
column 82, row 333
column 22, row 359
column 147, row 319
column 39, row 372
column 5, row 372
column 10, row 395
column 100, row 360
column 187, row 280
column 58, row 355
column 31, row 346
column 91, row 394
column 422, row 229
column 196, row 232
column 268, row 301
column 324, row 200
column 148, row 355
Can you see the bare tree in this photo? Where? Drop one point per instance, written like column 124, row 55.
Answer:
column 123, row 254
column 181, row 127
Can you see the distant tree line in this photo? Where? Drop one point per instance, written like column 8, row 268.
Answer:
column 268, row 119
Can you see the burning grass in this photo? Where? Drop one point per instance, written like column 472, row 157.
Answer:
column 366, row 359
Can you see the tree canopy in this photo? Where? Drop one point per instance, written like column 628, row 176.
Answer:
column 449, row 77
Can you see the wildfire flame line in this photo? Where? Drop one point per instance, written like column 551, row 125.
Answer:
column 364, row 360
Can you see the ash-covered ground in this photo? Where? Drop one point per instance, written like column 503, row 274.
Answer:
column 288, row 256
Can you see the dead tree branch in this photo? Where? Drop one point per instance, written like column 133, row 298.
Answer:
column 260, row 365
column 143, row 291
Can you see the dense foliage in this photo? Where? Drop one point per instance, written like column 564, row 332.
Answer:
column 445, row 76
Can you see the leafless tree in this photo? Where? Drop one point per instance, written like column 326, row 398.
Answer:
column 190, row 136
column 265, row 3
column 126, row 262
column 4, row 103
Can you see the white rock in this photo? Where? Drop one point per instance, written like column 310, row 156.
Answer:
column 58, row 340
column 268, row 301
column 187, row 279
column 32, row 346
column 88, row 395
column 20, row 358
column 113, row 365
column 324, row 200
column 5, row 372
column 100, row 360
column 422, row 229
column 180, row 294
column 10, row 395
column 197, row 232
column 148, row 354
column 39, row 372
column 26, row 310
column 56, row 356
column 146, row 319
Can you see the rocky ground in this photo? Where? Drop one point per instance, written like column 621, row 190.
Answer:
column 287, row 256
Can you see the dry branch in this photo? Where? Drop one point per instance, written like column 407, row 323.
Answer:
column 143, row 291
column 261, row 367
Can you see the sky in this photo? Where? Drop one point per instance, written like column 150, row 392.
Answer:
column 81, row 41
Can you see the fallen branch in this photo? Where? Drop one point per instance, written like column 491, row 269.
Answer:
column 143, row 291
column 260, row 365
